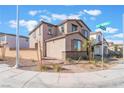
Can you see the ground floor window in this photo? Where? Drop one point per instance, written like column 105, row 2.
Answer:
column 76, row 45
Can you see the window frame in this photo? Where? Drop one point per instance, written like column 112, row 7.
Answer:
column 99, row 38
column 75, row 43
column 85, row 33
column 62, row 29
column 50, row 30
column 73, row 25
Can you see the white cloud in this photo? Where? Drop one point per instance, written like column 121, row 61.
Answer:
column 45, row 18
column 34, row 12
column 12, row 23
column 45, row 11
column 75, row 16
column 116, row 38
column 119, row 35
column 64, row 16
column 98, row 29
column 93, row 12
column 110, row 30
column 115, row 41
column 59, row 16
column 30, row 24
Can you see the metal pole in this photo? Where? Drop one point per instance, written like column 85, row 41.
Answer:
column 102, row 51
column 17, row 37
column 123, row 33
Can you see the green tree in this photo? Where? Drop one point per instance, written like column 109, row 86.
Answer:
column 87, row 46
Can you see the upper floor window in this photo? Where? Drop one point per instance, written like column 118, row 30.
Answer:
column 85, row 33
column 74, row 27
column 49, row 30
column 62, row 28
column 99, row 38
column 76, row 45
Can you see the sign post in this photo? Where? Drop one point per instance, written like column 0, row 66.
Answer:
column 17, row 37
column 102, row 26
column 123, row 33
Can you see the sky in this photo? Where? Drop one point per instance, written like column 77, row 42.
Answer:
column 92, row 15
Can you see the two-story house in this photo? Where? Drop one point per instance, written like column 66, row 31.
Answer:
column 61, row 41
column 10, row 40
column 111, row 46
column 118, row 47
column 96, row 38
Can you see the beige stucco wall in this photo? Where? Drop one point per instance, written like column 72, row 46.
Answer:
column 55, row 48
column 30, row 54
column 42, row 37
column 38, row 36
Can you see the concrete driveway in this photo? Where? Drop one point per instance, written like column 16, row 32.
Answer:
column 11, row 77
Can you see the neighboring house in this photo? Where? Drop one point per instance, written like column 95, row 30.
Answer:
column 96, row 38
column 61, row 41
column 118, row 47
column 111, row 47
column 115, row 47
column 10, row 40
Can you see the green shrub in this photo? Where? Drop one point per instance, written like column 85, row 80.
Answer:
column 56, row 67
column 42, row 67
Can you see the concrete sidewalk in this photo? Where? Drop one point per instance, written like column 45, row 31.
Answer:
column 11, row 77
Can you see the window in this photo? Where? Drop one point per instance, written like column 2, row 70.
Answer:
column 76, row 45
column 49, row 30
column 62, row 28
column 99, row 38
column 74, row 27
column 85, row 33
